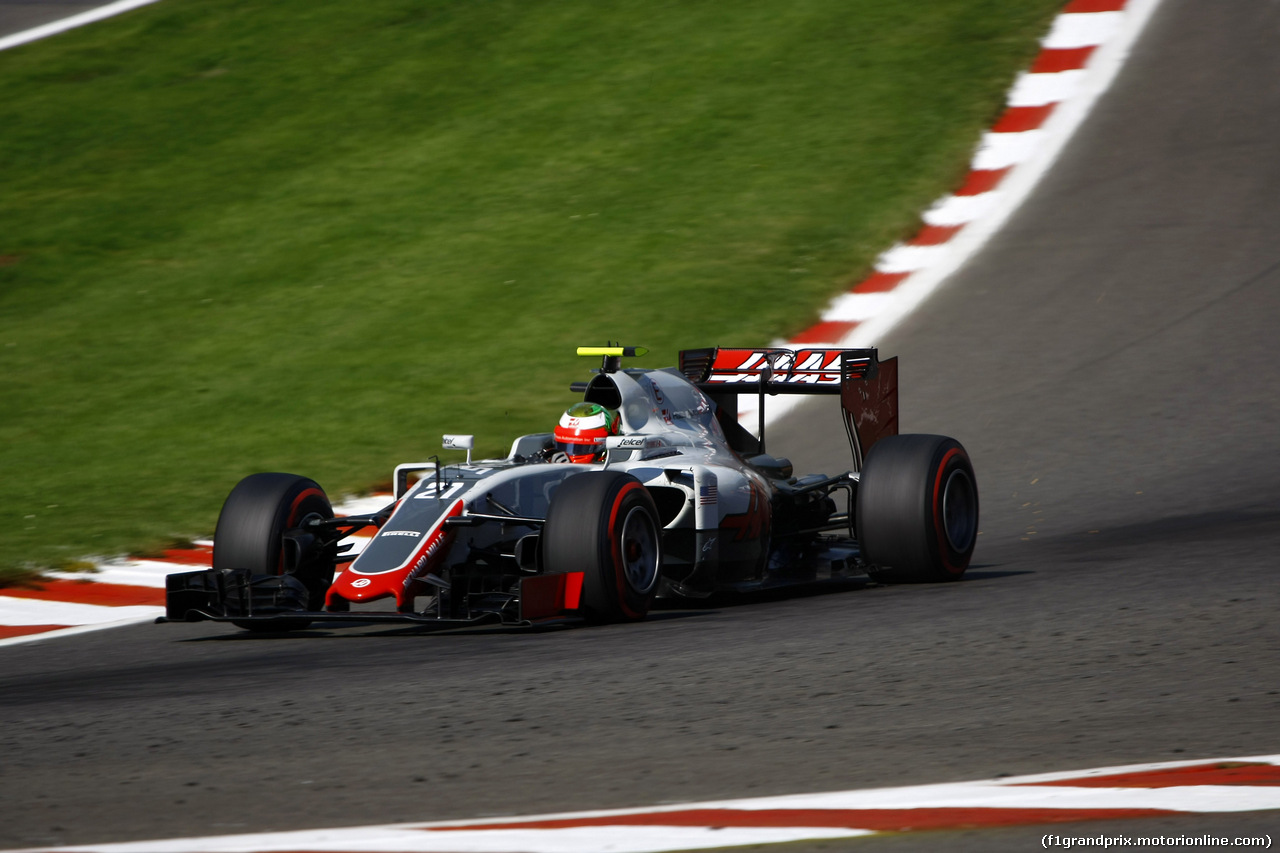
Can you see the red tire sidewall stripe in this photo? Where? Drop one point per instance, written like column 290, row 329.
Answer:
column 292, row 518
column 944, row 547
column 615, row 550
column 293, row 508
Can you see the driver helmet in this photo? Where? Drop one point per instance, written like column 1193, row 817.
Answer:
column 582, row 430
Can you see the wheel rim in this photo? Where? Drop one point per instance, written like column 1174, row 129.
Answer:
column 290, row 523
column 959, row 511
column 639, row 543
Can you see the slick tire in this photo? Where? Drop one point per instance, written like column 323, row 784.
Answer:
column 250, row 535
column 917, row 509
column 605, row 525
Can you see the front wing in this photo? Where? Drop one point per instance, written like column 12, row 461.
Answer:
column 236, row 595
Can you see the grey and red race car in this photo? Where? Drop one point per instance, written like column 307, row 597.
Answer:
column 684, row 502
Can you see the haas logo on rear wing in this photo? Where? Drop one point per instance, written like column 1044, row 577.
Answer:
column 868, row 387
column 780, row 370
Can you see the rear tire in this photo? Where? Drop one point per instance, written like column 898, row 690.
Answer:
column 605, row 525
column 250, row 535
column 917, row 510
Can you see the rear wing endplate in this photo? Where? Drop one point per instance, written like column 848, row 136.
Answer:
column 868, row 387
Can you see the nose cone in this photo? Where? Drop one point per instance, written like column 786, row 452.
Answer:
column 388, row 565
column 353, row 587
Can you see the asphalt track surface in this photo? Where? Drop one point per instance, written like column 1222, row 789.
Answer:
column 1111, row 362
column 19, row 15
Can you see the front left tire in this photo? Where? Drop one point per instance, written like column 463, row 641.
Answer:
column 250, row 535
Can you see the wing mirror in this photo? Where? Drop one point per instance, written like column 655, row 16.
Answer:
column 460, row 442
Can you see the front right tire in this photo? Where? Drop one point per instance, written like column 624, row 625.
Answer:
column 605, row 525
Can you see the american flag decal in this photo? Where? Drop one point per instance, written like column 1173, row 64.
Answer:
column 708, row 494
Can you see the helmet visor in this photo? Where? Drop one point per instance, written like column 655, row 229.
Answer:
column 581, row 452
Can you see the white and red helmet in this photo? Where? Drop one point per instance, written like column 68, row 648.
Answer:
column 582, row 430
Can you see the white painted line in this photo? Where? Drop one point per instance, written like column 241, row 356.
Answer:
column 1001, row 795
column 918, row 796
column 642, row 830
column 960, row 209
column 1144, row 767
column 35, row 611
column 61, row 26
column 1002, row 150
column 1038, row 90
column 912, row 258
column 620, row 839
column 362, row 506
column 420, row 839
column 1102, row 69
column 357, row 543
column 77, row 629
column 1083, row 29
column 148, row 573
column 777, row 407
column 853, row 307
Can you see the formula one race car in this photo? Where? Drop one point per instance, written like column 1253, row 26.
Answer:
column 675, row 500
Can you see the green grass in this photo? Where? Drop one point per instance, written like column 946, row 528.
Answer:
column 240, row 236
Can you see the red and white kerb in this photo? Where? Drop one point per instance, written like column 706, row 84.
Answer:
column 1170, row 791
column 1057, row 76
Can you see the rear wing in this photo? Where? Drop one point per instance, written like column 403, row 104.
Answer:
column 868, row 387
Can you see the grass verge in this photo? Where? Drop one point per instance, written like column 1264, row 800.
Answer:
column 240, row 236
